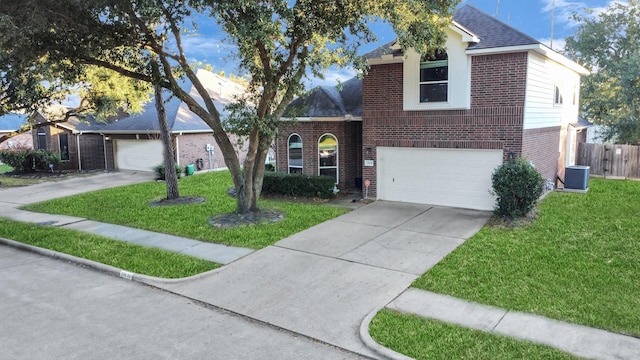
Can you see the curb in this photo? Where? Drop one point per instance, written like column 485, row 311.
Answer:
column 108, row 269
column 368, row 341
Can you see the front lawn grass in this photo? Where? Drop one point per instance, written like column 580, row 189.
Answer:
column 130, row 257
column 129, row 206
column 579, row 261
column 422, row 338
column 4, row 168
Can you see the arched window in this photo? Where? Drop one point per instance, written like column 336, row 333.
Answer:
column 328, row 156
column 434, row 78
column 295, row 154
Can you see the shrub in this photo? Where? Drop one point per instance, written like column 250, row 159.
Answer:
column 160, row 171
column 517, row 186
column 298, row 185
column 30, row 160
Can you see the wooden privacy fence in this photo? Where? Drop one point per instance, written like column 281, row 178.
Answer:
column 610, row 160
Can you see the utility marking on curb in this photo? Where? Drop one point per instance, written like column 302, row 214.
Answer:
column 126, row 274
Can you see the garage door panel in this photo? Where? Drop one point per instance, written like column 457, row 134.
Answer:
column 448, row 177
column 142, row 155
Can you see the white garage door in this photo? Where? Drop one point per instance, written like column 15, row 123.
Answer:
column 447, row 177
column 138, row 154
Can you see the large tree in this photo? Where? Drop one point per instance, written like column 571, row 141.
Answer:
column 277, row 43
column 609, row 45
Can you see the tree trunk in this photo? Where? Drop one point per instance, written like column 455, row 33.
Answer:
column 259, row 169
column 170, row 176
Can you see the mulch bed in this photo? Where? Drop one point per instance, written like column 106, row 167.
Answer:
column 182, row 200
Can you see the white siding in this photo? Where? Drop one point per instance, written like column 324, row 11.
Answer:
column 543, row 75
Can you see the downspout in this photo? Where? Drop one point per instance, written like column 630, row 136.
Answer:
column 78, row 144
column 177, row 137
column 104, row 150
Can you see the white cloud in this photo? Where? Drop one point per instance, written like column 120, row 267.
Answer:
column 565, row 9
column 558, row 44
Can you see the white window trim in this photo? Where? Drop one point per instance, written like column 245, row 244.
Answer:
column 459, row 82
column 289, row 155
column 337, row 166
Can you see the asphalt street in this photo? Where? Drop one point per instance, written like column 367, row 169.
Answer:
column 56, row 310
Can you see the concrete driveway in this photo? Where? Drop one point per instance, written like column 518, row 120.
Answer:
column 324, row 281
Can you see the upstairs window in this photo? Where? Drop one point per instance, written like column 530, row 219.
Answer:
column 295, row 154
column 434, row 78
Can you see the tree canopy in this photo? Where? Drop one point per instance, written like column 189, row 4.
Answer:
column 609, row 45
column 277, row 44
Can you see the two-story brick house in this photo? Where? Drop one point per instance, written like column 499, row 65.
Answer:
column 432, row 130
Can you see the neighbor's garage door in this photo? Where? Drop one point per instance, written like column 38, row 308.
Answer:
column 138, row 154
column 448, row 177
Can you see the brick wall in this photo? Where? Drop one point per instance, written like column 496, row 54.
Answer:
column 193, row 147
column 540, row 146
column 349, row 147
column 494, row 121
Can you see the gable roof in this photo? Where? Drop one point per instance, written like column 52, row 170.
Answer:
column 12, row 121
column 329, row 101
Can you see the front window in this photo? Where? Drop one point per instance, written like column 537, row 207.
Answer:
column 64, row 147
column 295, row 154
column 42, row 139
column 434, row 78
column 328, row 156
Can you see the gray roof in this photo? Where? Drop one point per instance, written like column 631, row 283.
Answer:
column 329, row 101
column 492, row 32
column 582, row 123
column 12, row 121
column 179, row 118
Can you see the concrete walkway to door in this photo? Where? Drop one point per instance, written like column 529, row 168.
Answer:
column 324, row 281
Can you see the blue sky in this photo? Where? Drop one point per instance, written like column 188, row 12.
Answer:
column 533, row 17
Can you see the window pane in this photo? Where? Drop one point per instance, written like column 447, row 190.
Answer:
column 42, row 139
column 429, row 73
column 328, row 158
column 433, row 92
column 295, row 154
column 333, row 172
column 64, row 147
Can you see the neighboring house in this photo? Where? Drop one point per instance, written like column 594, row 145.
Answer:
column 11, row 122
column 434, row 129
column 133, row 143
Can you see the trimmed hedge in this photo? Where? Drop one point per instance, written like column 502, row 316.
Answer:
column 517, row 186
column 30, row 160
column 277, row 183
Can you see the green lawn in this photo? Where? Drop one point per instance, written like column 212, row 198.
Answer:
column 128, row 206
column 4, row 168
column 578, row 262
column 134, row 258
column 429, row 339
